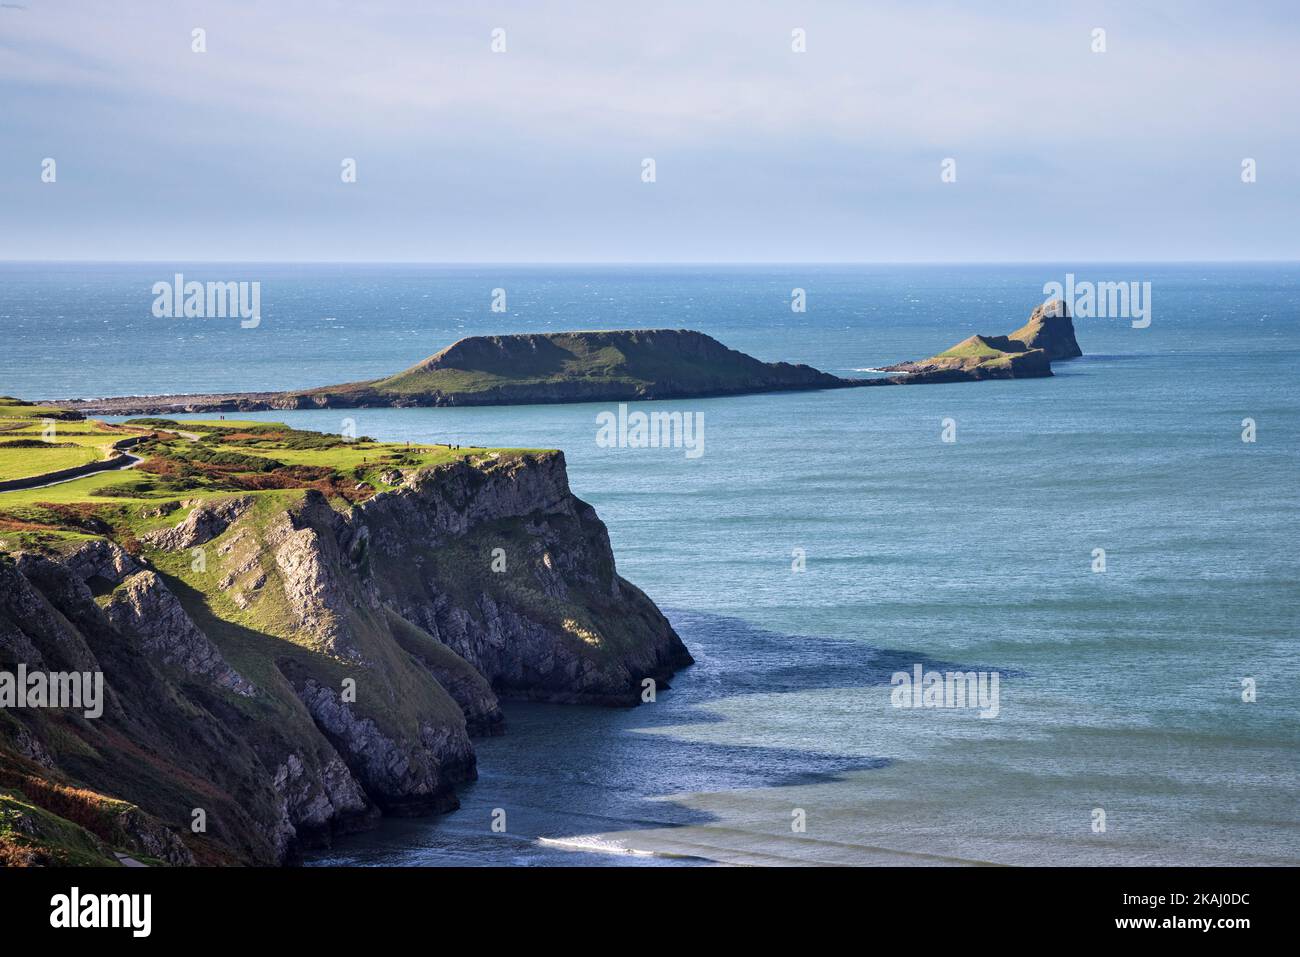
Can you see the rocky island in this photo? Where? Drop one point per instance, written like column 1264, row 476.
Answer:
column 1026, row 353
column 296, row 634
column 617, row 366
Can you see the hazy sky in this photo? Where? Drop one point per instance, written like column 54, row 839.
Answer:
column 762, row 153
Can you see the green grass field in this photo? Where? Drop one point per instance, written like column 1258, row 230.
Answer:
column 975, row 347
column 88, row 489
column 21, row 463
column 194, row 460
column 35, row 440
column 363, row 458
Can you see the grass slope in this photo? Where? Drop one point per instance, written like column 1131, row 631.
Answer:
column 33, row 441
column 634, row 359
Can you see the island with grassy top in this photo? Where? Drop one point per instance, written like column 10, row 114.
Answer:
column 297, row 633
column 615, row 366
column 528, row 368
column 1026, row 353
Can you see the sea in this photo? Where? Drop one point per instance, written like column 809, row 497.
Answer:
column 1119, row 544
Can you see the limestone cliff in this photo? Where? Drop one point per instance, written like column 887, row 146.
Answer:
column 1051, row 329
column 291, row 666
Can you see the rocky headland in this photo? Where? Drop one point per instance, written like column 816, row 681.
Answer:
column 288, row 651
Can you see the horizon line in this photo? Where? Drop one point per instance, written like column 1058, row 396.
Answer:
column 646, row 262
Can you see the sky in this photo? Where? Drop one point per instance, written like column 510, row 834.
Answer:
column 761, row 153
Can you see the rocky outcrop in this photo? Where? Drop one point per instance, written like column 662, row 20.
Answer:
column 1025, row 354
column 1051, row 329
column 399, row 777
column 318, row 800
column 979, row 357
column 205, row 522
column 541, row 615
column 102, row 562
column 144, row 607
column 150, row 746
column 146, row 836
column 467, row 687
column 309, row 563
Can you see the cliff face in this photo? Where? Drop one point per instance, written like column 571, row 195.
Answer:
column 508, row 569
column 1051, row 329
column 292, row 668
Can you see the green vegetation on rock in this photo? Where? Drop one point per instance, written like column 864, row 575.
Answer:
column 618, row 365
column 297, row 632
column 1026, row 353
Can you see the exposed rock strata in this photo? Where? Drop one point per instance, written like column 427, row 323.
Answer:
column 328, row 664
column 144, row 607
column 205, row 522
column 1051, row 329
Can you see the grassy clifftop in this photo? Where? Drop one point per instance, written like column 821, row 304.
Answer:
column 200, row 458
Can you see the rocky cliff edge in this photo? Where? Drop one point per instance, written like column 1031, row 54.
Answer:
column 284, row 667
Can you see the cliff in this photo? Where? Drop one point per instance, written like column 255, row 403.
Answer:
column 615, row 366
column 1051, row 329
column 1026, row 353
column 290, row 662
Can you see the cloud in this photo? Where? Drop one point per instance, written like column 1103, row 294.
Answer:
column 852, row 128
column 668, row 70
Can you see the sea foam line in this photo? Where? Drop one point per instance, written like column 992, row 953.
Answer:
column 595, row 844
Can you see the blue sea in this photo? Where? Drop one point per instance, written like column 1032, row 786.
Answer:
column 1121, row 737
